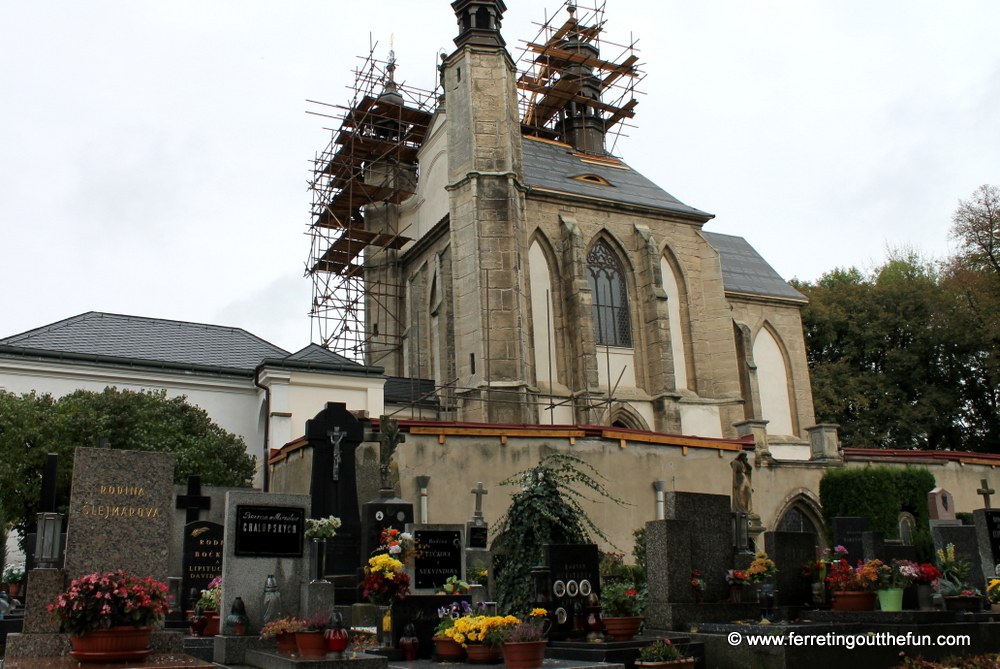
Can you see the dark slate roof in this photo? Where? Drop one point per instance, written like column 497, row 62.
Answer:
column 401, row 390
column 149, row 339
column 552, row 166
column 745, row 271
column 316, row 353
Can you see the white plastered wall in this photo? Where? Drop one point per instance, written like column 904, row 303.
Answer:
column 772, row 379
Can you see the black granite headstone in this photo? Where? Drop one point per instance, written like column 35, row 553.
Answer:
column 574, row 574
column 422, row 611
column 334, row 435
column 378, row 515
column 988, row 534
column 791, row 550
column 439, row 555
column 269, row 531
column 966, row 548
column 848, row 532
column 478, row 537
column 202, row 558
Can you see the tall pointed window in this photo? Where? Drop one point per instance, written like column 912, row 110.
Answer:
column 612, row 322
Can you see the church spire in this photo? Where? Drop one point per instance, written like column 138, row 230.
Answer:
column 479, row 22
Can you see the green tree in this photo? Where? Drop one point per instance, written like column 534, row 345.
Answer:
column 889, row 352
column 31, row 426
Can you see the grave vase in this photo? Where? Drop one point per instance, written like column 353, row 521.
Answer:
column 115, row 644
column 853, row 601
column 890, row 599
column 623, row 629
column 925, row 597
column 212, row 628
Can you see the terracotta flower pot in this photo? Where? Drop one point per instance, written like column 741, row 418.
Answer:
column 212, row 628
column 623, row 629
column 115, row 644
column 286, row 642
column 311, row 644
column 13, row 589
column 853, row 601
column 480, row 654
column 448, row 650
column 524, row 655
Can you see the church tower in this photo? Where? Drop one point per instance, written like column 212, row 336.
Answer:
column 486, row 219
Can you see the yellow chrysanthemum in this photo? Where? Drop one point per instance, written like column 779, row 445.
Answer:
column 538, row 613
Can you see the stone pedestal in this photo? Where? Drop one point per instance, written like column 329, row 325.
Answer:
column 44, row 585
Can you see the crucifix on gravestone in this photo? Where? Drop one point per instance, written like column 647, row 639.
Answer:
column 193, row 501
column 986, row 491
column 336, row 436
column 389, row 438
column 476, row 530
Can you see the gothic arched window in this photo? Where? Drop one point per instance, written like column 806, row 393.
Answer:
column 612, row 321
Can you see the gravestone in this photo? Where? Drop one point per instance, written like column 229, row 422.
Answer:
column 201, row 559
column 877, row 547
column 334, row 435
column 477, row 530
column 848, row 531
column 388, row 511
column 574, row 575
column 988, row 536
column 440, row 553
column 120, row 517
column 791, row 550
column 120, row 513
column 941, row 506
column 966, row 548
column 264, row 535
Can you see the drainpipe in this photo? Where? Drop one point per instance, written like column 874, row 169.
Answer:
column 267, row 423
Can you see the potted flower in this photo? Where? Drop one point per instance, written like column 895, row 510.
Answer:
column 853, row 588
column 454, row 586
column 524, row 643
column 110, row 616
column 309, row 637
column 620, row 610
column 954, row 585
column 481, row 636
column 208, row 606
column 927, row 578
column 736, row 579
column 893, row 578
column 399, row 545
column 761, row 569
column 385, row 581
column 663, row 654
column 14, row 577
column 449, row 650
column 283, row 632
column 993, row 593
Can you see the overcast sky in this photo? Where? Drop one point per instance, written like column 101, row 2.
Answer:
column 154, row 155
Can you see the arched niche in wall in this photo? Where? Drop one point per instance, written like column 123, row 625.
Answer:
column 773, row 382
column 678, row 320
column 543, row 312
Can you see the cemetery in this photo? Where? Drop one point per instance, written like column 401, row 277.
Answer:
column 319, row 579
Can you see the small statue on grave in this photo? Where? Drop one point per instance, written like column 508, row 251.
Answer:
column 389, row 438
column 742, row 490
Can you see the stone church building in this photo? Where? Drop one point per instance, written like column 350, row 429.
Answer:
column 548, row 282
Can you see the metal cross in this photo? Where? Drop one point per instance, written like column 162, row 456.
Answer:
column 479, row 491
column 336, row 436
column 986, row 491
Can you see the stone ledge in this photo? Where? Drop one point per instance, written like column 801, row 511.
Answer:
column 271, row 659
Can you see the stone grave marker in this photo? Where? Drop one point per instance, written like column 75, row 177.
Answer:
column 201, row 559
column 966, row 548
column 440, row 553
column 477, row 530
column 264, row 535
column 574, row 575
column 986, row 491
column 877, row 547
column 941, row 507
column 848, row 532
column 791, row 550
column 120, row 513
column 988, row 536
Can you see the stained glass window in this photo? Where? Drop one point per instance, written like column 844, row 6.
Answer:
column 612, row 321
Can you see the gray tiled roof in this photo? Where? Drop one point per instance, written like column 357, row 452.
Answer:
column 149, row 339
column 316, row 353
column 745, row 271
column 401, row 390
column 553, row 166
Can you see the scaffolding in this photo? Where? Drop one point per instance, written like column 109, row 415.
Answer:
column 371, row 159
column 561, row 73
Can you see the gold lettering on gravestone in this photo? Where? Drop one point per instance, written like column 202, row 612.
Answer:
column 118, row 510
